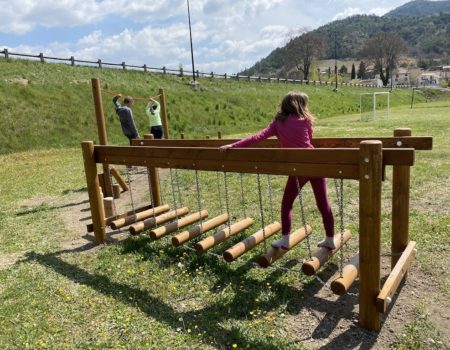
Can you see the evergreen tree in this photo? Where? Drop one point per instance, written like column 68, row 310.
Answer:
column 353, row 74
column 343, row 70
column 361, row 70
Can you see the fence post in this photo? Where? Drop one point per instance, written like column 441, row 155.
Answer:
column 164, row 70
column 197, row 73
column 145, row 68
column 99, row 63
column 237, row 77
column 124, row 66
column 41, row 57
column 370, row 173
column 181, row 72
column 72, row 60
column 400, row 204
column 225, row 76
column 212, row 74
column 6, row 53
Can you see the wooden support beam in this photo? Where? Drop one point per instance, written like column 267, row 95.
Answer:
column 158, row 220
column 153, row 179
column 163, row 108
column 131, row 219
column 398, row 142
column 322, row 254
column 198, row 230
column 173, row 226
column 250, row 242
column 221, row 236
column 273, row 254
column 396, row 276
column 95, row 200
column 400, row 205
column 370, row 233
column 340, row 285
column 119, row 179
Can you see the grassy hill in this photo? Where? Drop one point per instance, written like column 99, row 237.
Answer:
column 51, row 105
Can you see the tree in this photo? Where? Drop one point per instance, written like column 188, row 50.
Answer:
column 353, row 74
column 343, row 70
column 302, row 51
column 384, row 49
column 361, row 70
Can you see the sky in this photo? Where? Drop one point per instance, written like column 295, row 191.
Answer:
column 228, row 35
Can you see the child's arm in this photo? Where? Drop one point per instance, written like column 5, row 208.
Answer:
column 258, row 137
column 115, row 100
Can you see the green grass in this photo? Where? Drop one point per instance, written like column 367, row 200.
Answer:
column 143, row 294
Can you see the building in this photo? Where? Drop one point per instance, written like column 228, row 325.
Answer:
column 428, row 79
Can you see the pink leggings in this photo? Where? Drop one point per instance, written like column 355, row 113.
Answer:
column 319, row 186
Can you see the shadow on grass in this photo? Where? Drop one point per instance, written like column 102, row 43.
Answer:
column 46, row 207
column 246, row 290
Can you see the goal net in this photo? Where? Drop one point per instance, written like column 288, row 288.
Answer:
column 374, row 105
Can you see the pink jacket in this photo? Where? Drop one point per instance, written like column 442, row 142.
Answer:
column 294, row 132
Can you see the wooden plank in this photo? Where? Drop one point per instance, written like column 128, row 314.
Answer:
column 370, row 233
column 395, row 277
column 416, row 142
column 341, row 285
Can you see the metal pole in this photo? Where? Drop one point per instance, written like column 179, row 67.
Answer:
column 190, row 35
column 335, row 60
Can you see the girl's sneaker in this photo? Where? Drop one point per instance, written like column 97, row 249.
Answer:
column 282, row 243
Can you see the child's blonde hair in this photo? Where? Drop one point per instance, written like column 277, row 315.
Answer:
column 295, row 102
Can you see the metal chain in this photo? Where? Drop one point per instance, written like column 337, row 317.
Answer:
column 302, row 210
column 227, row 201
column 261, row 209
column 340, row 200
column 219, row 192
column 112, row 191
column 178, row 188
column 130, row 190
column 199, row 198
column 269, row 186
column 243, row 195
column 160, row 186
column 173, row 196
column 152, row 200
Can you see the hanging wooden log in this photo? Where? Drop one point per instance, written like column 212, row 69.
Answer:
column 274, row 254
column 250, row 242
column 322, row 255
column 341, row 285
column 196, row 231
column 108, row 204
column 158, row 220
column 396, row 276
column 116, row 224
column 222, row 235
column 173, row 226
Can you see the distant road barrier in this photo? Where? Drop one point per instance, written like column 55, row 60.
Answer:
column 180, row 72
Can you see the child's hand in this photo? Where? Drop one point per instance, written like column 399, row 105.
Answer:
column 224, row 148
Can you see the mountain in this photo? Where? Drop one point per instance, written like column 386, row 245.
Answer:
column 427, row 35
column 420, row 8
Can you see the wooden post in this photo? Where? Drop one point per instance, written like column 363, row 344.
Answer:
column 165, row 123
column 370, row 170
column 5, row 51
column 41, row 57
column 101, row 128
column 99, row 63
column 95, row 200
column 400, row 204
column 72, row 61
column 116, row 191
column 154, row 180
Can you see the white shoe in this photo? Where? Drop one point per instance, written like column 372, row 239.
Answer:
column 328, row 242
column 282, row 243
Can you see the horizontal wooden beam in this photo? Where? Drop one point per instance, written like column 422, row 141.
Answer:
column 416, row 142
column 395, row 277
column 332, row 163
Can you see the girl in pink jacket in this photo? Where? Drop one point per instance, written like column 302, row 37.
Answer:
column 292, row 125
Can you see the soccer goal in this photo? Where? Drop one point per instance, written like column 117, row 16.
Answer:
column 373, row 105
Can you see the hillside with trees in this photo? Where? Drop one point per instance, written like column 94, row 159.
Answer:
column 419, row 8
column 425, row 37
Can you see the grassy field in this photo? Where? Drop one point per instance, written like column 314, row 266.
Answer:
column 59, row 291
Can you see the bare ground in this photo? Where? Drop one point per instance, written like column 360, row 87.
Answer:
column 320, row 320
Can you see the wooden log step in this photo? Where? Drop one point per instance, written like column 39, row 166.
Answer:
column 173, row 226
column 222, row 235
column 131, row 219
column 196, row 231
column 250, row 242
column 158, row 220
column 395, row 277
column 340, row 285
column 322, row 255
column 90, row 227
column 273, row 254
